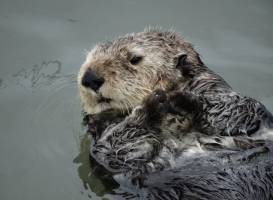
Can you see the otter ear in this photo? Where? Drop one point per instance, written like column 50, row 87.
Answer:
column 182, row 64
column 180, row 60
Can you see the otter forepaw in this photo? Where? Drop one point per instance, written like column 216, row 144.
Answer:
column 184, row 102
column 156, row 102
column 97, row 123
column 153, row 107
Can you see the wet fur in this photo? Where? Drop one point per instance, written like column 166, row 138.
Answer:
column 223, row 111
column 152, row 163
column 161, row 137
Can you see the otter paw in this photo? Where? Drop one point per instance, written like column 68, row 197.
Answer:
column 97, row 123
column 156, row 102
column 184, row 102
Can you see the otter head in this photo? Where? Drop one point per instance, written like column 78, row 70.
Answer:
column 119, row 74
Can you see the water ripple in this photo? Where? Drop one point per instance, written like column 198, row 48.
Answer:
column 39, row 76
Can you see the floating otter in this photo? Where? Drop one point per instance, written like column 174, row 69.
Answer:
column 119, row 75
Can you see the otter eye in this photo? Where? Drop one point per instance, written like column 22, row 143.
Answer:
column 135, row 60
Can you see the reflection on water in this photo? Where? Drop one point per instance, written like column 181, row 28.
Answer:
column 39, row 76
column 93, row 175
column 42, row 75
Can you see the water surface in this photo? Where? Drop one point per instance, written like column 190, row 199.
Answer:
column 43, row 147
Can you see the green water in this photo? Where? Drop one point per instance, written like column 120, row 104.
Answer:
column 43, row 149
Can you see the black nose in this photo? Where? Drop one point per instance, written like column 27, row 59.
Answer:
column 91, row 80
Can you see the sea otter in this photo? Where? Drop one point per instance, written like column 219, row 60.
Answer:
column 192, row 124
column 119, row 74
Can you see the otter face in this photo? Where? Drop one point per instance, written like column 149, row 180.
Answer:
column 119, row 74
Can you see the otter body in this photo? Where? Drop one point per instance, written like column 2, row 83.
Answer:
column 192, row 121
column 149, row 163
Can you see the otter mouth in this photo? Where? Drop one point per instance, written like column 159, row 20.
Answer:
column 102, row 99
